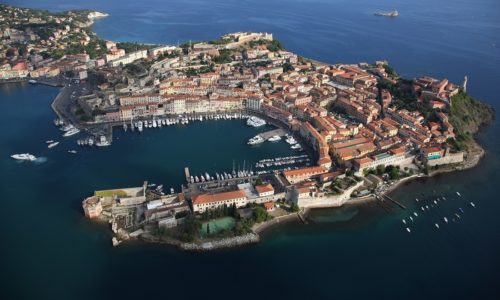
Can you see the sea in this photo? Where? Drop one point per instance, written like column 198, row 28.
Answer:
column 48, row 250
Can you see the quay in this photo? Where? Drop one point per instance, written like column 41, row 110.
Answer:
column 266, row 135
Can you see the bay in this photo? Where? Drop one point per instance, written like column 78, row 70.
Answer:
column 49, row 251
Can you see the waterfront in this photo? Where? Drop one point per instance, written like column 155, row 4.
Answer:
column 346, row 253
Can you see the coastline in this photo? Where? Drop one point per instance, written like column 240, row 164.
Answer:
column 473, row 158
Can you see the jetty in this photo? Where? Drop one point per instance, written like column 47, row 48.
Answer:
column 266, row 135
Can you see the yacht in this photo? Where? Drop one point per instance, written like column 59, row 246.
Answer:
column 445, row 219
column 291, row 141
column 274, row 138
column 437, row 225
column 255, row 122
column 255, row 140
column 24, row 156
column 404, row 221
column 72, row 151
column 415, row 214
column 408, row 229
column 103, row 142
column 52, row 145
column 71, row 132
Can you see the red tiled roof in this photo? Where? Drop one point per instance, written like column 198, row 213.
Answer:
column 208, row 198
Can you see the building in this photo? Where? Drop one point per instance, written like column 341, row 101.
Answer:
column 264, row 190
column 92, row 207
column 298, row 175
column 203, row 202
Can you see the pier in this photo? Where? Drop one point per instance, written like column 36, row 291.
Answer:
column 382, row 196
column 266, row 135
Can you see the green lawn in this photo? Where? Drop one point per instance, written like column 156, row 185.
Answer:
column 109, row 193
column 217, row 225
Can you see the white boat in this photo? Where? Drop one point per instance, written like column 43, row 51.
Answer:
column 71, row 132
column 139, row 126
column 445, row 219
column 49, row 142
column 415, row 214
column 255, row 122
column 291, row 141
column 52, row 145
column 103, row 142
column 404, row 221
column 472, row 204
column 416, row 199
column 411, row 218
column 274, row 138
column 296, row 146
column 24, row 156
column 32, row 81
column 459, row 194
column 125, row 127
column 72, row 151
column 172, row 191
column 255, row 140
column 408, row 229
column 437, row 225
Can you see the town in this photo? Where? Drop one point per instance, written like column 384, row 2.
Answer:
column 364, row 127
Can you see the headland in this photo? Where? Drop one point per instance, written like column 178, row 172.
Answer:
column 359, row 130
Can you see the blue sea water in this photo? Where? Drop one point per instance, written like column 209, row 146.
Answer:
column 49, row 251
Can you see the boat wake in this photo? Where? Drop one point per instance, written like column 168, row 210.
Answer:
column 40, row 160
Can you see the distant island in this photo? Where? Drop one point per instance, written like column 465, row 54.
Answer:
column 358, row 130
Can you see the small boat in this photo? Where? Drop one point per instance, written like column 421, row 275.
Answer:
column 427, row 207
column 445, row 219
column 408, row 229
column 435, row 202
column 437, row 225
column 72, row 151
column 416, row 199
column 461, row 210
column 472, row 204
column 404, row 221
column 274, row 138
column 172, row 191
column 459, row 195
column 49, row 142
column 32, row 81
column 411, row 218
column 24, row 156
column 71, row 132
column 415, row 214
column 444, row 198
column 52, row 145
column 422, row 208
column 457, row 215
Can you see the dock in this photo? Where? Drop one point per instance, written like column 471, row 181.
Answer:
column 382, row 196
column 266, row 135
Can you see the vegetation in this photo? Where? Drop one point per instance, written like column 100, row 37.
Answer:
column 109, row 193
column 132, row 47
column 224, row 57
column 467, row 115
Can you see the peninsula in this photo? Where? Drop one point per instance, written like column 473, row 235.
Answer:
column 364, row 127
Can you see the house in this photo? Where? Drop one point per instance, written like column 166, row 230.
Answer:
column 264, row 190
column 269, row 206
column 298, row 175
